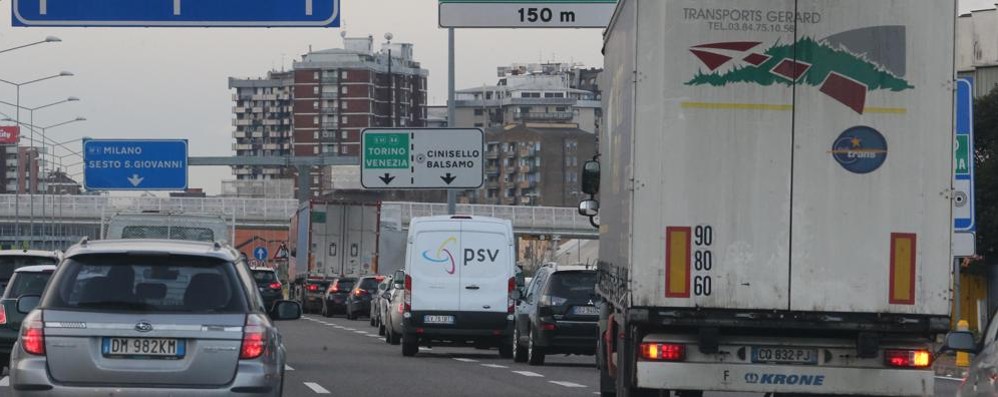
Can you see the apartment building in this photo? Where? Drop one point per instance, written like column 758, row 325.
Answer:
column 262, row 121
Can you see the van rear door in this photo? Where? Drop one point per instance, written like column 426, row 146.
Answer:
column 433, row 266
column 486, row 264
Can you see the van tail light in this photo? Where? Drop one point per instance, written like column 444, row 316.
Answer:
column 275, row 285
column 408, row 293
column 512, row 302
column 254, row 338
column 33, row 334
column 663, row 351
column 908, row 358
column 3, row 315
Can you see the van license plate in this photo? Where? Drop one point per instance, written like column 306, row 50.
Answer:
column 438, row 319
column 585, row 310
column 784, row 355
column 143, row 347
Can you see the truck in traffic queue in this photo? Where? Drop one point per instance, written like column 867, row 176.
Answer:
column 168, row 226
column 331, row 239
column 772, row 193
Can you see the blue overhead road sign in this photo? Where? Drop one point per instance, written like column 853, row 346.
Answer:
column 112, row 164
column 963, row 158
column 174, row 13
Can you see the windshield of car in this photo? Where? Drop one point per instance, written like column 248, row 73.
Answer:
column 573, row 284
column 27, row 283
column 168, row 233
column 9, row 263
column 264, row 276
column 173, row 283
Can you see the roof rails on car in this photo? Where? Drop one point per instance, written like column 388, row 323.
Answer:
column 84, row 241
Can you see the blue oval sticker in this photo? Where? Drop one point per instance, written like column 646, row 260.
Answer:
column 860, row 150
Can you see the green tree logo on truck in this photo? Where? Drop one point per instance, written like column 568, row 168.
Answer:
column 845, row 66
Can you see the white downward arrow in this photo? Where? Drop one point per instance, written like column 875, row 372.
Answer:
column 135, row 179
column 308, row 7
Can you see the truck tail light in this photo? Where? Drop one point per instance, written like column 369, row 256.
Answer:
column 33, row 334
column 908, row 358
column 408, row 293
column 254, row 338
column 663, row 351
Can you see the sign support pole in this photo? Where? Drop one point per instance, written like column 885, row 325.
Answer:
column 956, row 289
column 451, row 193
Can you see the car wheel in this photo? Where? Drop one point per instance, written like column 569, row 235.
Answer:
column 381, row 329
column 506, row 348
column 350, row 315
column 325, row 310
column 535, row 354
column 280, row 388
column 519, row 351
column 410, row 346
column 373, row 323
column 396, row 339
column 388, row 336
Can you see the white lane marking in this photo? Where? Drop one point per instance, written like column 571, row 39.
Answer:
column 950, row 378
column 528, row 373
column 288, row 368
column 465, row 360
column 494, row 366
column 5, row 382
column 350, row 329
column 360, row 332
column 422, row 348
column 373, row 336
column 316, row 388
column 566, row 384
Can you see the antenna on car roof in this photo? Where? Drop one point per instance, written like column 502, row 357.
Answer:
column 217, row 246
column 84, row 240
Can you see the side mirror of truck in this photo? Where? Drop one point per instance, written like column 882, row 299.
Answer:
column 590, row 177
column 960, row 341
column 589, row 208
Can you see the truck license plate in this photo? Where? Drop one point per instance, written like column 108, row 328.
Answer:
column 143, row 347
column 438, row 319
column 784, row 355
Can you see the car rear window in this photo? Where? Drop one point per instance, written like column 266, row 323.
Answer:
column 27, row 283
column 369, row 284
column 345, row 284
column 173, row 283
column 264, row 276
column 9, row 263
column 168, row 233
column 573, row 284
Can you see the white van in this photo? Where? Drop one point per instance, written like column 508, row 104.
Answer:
column 460, row 273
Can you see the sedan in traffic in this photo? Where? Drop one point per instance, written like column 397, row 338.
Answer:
column 29, row 280
column 150, row 318
column 363, row 292
column 335, row 299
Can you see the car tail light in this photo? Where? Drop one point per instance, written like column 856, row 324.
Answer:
column 401, row 308
column 275, row 285
column 33, row 334
column 313, row 287
column 254, row 338
column 549, row 326
column 908, row 358
column 512, row 302
column 360, row 292
column 663, row 351
column 3, row 315
column 408, row 293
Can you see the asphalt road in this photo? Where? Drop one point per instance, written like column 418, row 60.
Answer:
column 339, row 357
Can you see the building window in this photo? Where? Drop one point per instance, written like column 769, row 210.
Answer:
column 315, row 120
column 315, row 150
column 343, row 74
column 315, row 90
column 343, row 150
column 525, row 109
column 343, row 89
column 479, row 112
column 343, row 120
column 343, row 135
column 315, row 75
column 315, row 135
column 479, row 125
column 559, row 109
column 315, row 105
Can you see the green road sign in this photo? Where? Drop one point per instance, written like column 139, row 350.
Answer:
column 386, row 151
column 962, row 157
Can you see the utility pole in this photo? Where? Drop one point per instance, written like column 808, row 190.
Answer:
column 451, row 194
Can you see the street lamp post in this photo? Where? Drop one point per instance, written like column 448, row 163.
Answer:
column 45, row 138
column 17, row 120
column 34, row 177
column 49, row 39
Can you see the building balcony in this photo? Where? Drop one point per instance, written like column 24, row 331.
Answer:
column 329, row 95
column 492, row 184
column 330, row 124
column 330, row 79
column 526, row 184
column 526, row 169
column 328, row 110
column 491, row 169
column 510, row 169
column 492, row 154
column 544, row 116
column 526, row 152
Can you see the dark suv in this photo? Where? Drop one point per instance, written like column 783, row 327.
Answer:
column 335, row 298
column 557, row 314
column 269, row 286
column 30, row 280
column 359, row 300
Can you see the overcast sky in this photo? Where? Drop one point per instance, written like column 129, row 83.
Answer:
column 172, row 83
